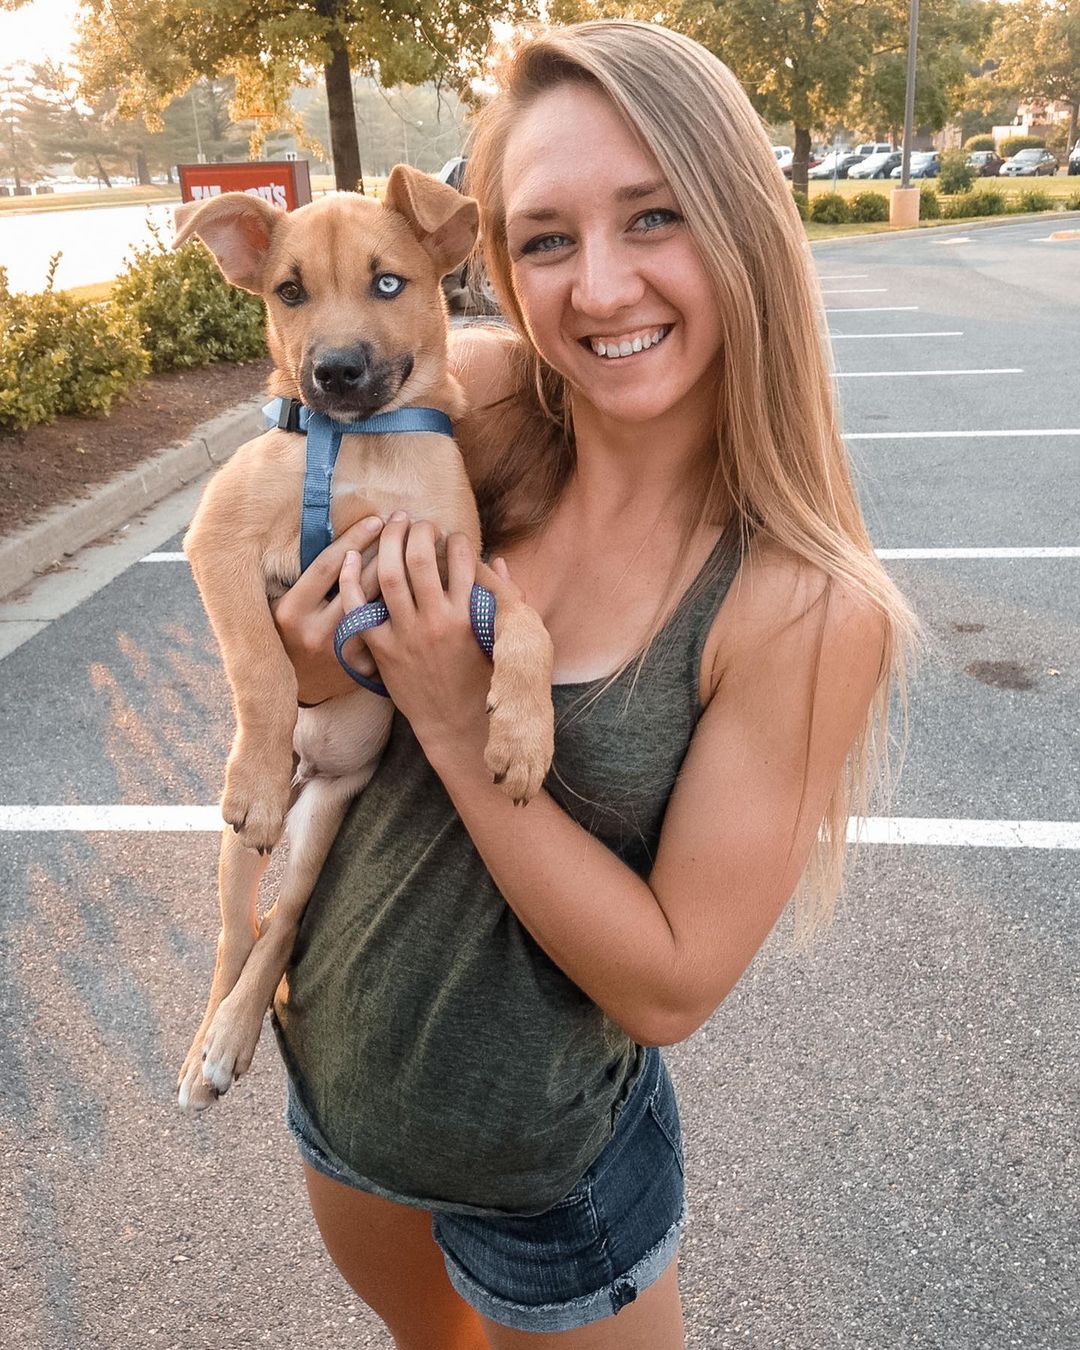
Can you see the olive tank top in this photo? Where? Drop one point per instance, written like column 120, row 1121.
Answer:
column 436, row 1049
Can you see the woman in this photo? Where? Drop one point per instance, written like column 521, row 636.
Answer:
column 491, row 1141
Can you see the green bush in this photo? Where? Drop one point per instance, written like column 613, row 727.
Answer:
column 187, row 312
column 58, row 355
column 956, row 174
column 830, row 208
column 1012, row 144
column 802, row 204
column 1072, row 202
column 1032, row 199
column 929, row 203
column 980, row 202
column 869, row 206
column 979, row 143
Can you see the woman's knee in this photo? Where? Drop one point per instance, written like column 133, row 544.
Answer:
column 388, row 1256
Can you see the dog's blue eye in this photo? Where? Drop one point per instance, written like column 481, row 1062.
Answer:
column 389, row 284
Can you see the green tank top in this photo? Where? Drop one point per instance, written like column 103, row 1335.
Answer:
column 436, row 1049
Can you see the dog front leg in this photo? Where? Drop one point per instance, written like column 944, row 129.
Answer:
column 240, row 870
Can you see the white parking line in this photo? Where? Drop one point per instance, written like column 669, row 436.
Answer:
column 858, row 290
column 955, row 435
column 872, row 309
column 977, row 552
column 845, row 276
column 112, row 819
column 164, row 557
column 897, row 374
column 864, row 336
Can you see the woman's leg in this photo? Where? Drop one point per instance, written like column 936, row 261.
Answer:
column 652, row 1322
column 387, row 1254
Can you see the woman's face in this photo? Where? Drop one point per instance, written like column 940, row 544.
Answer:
column 612, row 289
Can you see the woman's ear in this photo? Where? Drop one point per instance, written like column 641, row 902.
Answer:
column 444, row 222
column 236, row 227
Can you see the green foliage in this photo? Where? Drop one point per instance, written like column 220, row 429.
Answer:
column 1032, row 199
column 1072, row 202
column 980, row 202
column 974, row 143
column 869, row 206
column 956, row 174
column 1012, row 144
column 187, row 312
column 802, row 204
column 929, row 203
column 830, row 208
column 58, row 355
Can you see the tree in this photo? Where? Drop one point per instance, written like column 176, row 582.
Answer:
column 151, row 51
column 1036, row 44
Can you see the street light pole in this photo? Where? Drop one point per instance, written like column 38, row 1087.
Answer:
column 909, row 97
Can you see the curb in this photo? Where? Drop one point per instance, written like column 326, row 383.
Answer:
column 73, row 525
column 975, row 223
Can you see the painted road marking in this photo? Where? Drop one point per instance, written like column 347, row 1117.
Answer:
column 864, row 336
column 897, row 374
column 112, row 819
column 858, row 290
column 873, row 309
column 846, row 276
column 954, row 435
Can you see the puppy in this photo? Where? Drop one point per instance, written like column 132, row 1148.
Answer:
column 357, row 326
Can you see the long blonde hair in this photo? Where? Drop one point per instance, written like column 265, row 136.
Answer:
column 780, row 468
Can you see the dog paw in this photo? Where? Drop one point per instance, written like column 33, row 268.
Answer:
column 229, row 1047
column 255, row 803
column 193, row 1093
column 521, row 739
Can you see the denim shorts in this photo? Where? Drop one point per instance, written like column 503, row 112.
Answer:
column 590, row 1254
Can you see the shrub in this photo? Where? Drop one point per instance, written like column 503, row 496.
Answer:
column 187, row 312
column 929, row 203
column 58, row 355
column 830, row 208
column 1012, row 144
column 1072, row 202
column 802, row 203
column 956, row 174
column 980, row 202
column 1032, row 199
column 869, row 206
column 979, row 143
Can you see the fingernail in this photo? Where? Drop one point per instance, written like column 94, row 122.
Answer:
column 352, row 556
column 399, row 515
column 373, row 522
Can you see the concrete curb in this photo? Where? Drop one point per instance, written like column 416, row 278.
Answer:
column 975, row 223
column 72, row 525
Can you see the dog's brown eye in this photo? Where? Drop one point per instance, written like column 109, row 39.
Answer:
column 291, row 292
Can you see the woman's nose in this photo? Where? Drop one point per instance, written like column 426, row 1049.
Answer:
column 606, row 281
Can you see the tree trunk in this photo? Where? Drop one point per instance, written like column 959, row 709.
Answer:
column 142, row 169
column 103, row 177
column 800, row 167
column 344, row 143
column 1074, row 111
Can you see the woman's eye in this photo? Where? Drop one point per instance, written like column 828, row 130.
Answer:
column 659, row 217
column 291, row 292
column 389, row 284
column 547, row 243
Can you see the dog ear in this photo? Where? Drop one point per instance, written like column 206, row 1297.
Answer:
column 236, row 227
column 444, row 221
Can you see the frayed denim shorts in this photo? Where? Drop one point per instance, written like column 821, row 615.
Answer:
column 590, row 1254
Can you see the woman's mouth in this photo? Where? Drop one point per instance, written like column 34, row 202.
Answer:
column 618, row 346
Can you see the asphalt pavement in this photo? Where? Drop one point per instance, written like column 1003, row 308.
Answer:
column 880, row 1133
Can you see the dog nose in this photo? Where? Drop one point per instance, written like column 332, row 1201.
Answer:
column 340, row 371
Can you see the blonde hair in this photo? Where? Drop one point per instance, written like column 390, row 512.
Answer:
column 780, row 468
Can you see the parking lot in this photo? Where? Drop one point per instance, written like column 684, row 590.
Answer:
column 880, row 1133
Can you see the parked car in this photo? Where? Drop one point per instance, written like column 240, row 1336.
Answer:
column 985, row 162
column 876, row 166
column 839, row 163
column 786, row 165
column 783, row 152
column 873, row 148
column 1029, row 164
column 924, row 164
column 1074, row 159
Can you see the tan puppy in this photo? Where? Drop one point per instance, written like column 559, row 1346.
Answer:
column 350, row 341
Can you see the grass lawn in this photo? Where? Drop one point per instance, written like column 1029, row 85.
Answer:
column 1060, row 186
column 70, row 201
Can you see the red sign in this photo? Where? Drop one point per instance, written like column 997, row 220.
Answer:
column 284, row 183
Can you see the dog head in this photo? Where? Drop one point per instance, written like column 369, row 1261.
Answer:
column 356, row 318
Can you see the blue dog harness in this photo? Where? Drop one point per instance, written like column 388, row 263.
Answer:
column 316, row 530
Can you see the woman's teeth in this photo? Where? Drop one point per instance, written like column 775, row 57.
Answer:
column 629, row 343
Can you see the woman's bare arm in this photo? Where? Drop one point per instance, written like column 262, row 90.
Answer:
column 660, row 956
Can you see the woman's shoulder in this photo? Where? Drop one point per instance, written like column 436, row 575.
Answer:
column 781, row 600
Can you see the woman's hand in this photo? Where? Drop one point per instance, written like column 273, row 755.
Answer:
column 306, row 618
column 427, row 654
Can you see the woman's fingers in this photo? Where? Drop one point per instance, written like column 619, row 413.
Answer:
column 350, row 584
column 423, row 565
column 461, row 571
column 309, row 590
column 393, row 577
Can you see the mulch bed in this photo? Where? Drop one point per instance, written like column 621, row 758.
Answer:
column 47, row 465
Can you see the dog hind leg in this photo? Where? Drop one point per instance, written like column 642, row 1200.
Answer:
column 312, row 824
